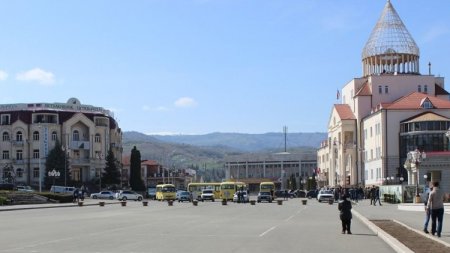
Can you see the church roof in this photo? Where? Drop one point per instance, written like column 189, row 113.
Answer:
column 427, row 116
column 344, row 111
column 364, row 90
column 390, row 36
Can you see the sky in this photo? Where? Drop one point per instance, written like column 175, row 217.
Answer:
column 202, row 66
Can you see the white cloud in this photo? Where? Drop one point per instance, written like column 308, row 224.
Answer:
column 185, row 102
column 38, row 75
column 159, row 108
column 3, row 75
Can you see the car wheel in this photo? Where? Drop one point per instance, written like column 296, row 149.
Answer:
column 213, row 200
column 139, row 198
column 111, row 197
column 124, row 198
column 94, row 197
column 320, row 200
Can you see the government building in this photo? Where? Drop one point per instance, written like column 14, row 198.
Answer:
column 392, row 123
column 30, row 131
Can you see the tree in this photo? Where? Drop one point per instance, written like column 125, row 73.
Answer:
column 292, row 182
column 111, row 174
column 136, row 182
column 57, row 161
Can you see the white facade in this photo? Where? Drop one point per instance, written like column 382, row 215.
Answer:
column 30, row 131
column 391, row 110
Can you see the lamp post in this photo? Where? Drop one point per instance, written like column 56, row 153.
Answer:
column 401, row 180
column 425, row 177
column 415, row 158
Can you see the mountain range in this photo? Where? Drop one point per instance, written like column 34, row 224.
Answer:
column 210, row 150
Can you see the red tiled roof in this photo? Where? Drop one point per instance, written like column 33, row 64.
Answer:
column 414, row 101
column 365, row 90
column 149, row 162
column 344, row 111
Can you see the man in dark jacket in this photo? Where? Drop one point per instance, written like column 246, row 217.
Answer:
column 345, row 207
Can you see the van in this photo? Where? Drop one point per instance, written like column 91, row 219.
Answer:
column 62, row 189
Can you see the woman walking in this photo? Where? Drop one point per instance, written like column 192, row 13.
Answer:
column 345, row 207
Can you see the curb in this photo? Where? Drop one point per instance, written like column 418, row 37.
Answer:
column 47, row 207
column 396, row 245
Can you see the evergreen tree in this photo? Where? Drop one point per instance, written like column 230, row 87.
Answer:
column 111, row 174
column 136, row 182
column 293, row 182
column 56, row 160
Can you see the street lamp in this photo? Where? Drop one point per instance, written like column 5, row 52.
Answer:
column 425, row 177
column 401, row 180
column 413, row 160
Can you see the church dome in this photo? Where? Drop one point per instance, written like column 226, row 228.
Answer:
column 390, row 48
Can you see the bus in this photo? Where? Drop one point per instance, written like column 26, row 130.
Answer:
column 165, row 192
column 196, row 189
column 267, row 187
column 227, row 189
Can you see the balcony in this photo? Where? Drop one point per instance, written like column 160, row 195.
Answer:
column 75, row 145
column 79, row 161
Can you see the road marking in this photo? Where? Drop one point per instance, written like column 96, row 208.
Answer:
column 267, row 231
column 292, row 216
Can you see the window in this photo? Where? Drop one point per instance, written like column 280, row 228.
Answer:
column 371, row 174
column 35, row 136
column 5, row 154
column 371, row 154
column 36, row 154
column 371, row 132
column 5, row 119
column 35, row 172
column 54, row 136
column 19, row 136
column 386, row 89
column 425, row 88
column 380, row 89
column 5, row 136
column 419, row 88
column 19, row 173
column 76, row 135
column 97, row 138
column 19, row 155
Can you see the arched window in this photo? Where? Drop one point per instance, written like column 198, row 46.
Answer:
column 5, row 136
column 97, row 137
column 76, row 135
column 54, row 136
column 19, row 136
column 35, row 136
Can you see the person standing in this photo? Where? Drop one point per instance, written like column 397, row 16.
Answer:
column 377, row 196
column 435, row 205
column 345, row 207
column 427, row 212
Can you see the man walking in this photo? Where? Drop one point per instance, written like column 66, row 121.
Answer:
column 435, row 205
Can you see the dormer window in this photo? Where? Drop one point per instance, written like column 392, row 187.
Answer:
column 426, row 104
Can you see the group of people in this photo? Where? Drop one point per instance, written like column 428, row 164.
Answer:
column 78, row 194
column 434, row 209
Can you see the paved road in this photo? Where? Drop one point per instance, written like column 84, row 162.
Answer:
column 208, row 227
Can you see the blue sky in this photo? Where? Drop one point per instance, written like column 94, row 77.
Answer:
column 202, row 66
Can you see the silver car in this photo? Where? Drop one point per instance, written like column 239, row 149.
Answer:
column 131, row 195
column 325, row 195
column 103, row 195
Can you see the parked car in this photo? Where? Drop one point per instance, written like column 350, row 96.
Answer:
column 103, row 195
column 207, row 194
column 244, row 195
column 264, row 196
column 151, row 192
column 281, row 193
column 311, row 194
column 184, row 196
column 131, row 195
column 62, row 189
column 24, row 188
column 300, row 193
column 325, row 195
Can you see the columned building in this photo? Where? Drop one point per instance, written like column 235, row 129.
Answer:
column 30, row 131
column 392, row 110
column 253, row 169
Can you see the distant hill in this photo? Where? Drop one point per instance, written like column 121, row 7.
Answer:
column 248, row 142
column 210, row 150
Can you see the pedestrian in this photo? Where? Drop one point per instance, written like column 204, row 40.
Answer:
column 372, row 195
column 285, row 194
column 75, row 196
column 377, row 196
column 345, row 207
column 427, row 212
column 435, row 205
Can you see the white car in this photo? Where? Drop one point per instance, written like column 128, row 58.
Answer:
column 207, row 194
column 131, row 195
column 103, row 195
column 244, row 196
column 24, row 188
column 325, row 195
